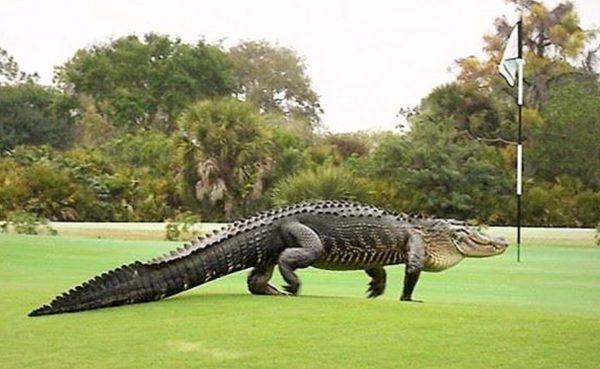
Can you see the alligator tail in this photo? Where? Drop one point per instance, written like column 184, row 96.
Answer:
column 140, row 282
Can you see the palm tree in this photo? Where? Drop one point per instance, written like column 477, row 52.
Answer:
column 223, row 153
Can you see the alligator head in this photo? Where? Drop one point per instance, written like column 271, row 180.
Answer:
column 450, row 241
column 473, row 243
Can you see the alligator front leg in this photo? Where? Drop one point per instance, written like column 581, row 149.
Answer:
column 415, row 259
column 377, row 283
column 304, row 247
column 258, row 281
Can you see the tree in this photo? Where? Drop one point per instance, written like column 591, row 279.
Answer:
column 554, row 44
column 568, row 141
column 289, row 152
column 472, row 111
column 351, row 144
column 274, row 79
column 145, row 158
column 150, row 150
column 147, row 82
column 35, row 115
column 10, row 73
column 223, row 154
column 438, row 171
column 475, row 116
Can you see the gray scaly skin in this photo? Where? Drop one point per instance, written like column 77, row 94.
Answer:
column 325, row 234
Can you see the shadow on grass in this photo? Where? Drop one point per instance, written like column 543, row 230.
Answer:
column 197, row 299
column 245, row 296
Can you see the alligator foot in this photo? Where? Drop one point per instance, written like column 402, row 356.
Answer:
column 377, row 283
column 272, row 290
column 258, row 281
column 408, row 299
column 292, row 289
column 374, row 290
column 268, row 289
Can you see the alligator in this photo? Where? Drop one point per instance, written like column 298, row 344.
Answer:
column 334, row 235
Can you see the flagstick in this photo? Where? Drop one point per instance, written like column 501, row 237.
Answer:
column 519, row 179
column 519, row 146
column 510, row 73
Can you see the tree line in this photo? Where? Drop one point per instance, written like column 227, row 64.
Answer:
column 152, row 128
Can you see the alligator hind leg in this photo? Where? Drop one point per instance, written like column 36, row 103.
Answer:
column 258, row 281
column 377, row 283
column 304, row 247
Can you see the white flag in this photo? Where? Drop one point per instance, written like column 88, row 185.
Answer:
column 509, row 65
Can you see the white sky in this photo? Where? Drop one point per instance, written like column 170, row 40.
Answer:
column 366, row 58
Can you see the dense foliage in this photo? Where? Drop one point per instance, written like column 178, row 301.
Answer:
column 324, row 182
column 568, row 140
column 146, row 83
column 32, row 114
column 154, row 129
column 223, row 154
column 273, row 78
column 438, row 171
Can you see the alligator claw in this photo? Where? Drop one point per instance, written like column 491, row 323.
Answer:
column 374, row 290
column 291, row 289
column 271, row 290
column 410, row 300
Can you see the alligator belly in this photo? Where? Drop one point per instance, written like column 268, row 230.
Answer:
column 357, row 261
column 327, row 266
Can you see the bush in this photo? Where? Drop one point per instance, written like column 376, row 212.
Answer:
column 323, row 183
column 350, row 144
column 565, row 202
column 76, row 185
column 181, row 227
column 437, row 171
column 143, row 149
column 27, row 223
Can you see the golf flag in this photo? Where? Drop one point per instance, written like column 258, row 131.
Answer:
column 509, row 65
column 511, row 68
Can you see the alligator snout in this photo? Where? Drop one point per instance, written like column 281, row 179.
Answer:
column 500, row 242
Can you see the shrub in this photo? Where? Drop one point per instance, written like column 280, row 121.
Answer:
column 564, row 202
column 181, row 227
column 74, row 185
column 27, row 223
column 143, row 149
column 350, row 144
column 322, row 183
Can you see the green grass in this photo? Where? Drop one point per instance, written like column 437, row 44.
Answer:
column 488, row 313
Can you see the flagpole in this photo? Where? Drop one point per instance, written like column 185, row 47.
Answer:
column 511, row 68
column 519, row 180
column 519, row 188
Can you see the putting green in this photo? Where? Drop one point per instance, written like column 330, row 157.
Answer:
column 488, row 313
